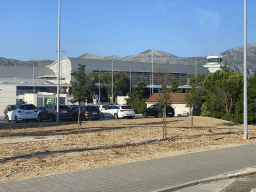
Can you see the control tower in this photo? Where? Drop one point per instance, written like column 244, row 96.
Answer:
column 214, row 63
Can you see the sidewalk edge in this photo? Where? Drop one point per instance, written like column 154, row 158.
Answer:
column 193, row 183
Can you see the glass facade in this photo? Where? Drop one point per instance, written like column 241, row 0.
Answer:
column 136, row 77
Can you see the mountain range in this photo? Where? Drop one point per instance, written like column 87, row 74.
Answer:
column 233, row 57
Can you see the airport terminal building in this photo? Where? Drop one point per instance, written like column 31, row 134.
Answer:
column 15, row 81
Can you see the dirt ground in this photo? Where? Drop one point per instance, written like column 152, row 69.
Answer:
column 102, row 143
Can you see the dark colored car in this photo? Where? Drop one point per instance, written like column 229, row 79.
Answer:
column 39, row 109
column 9, row 108
column 74, row 110
column 50, row 112
column 157, row 111
column 89, row 112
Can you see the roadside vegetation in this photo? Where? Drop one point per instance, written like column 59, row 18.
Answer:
column 218, row 95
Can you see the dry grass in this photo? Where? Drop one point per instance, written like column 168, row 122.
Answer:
column 102, row 143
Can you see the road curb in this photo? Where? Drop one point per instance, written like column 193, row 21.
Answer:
column 208, row 180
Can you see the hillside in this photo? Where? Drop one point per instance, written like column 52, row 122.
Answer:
column 13, row 62
column 234, row 58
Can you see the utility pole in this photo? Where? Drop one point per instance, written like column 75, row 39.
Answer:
column 112, row 84
column 152, row 72
column 58, row 78
column 61, row 67
column 34, row 78
column 196, row 71
column 99, row 87
column 130, row 79
column 245, row 75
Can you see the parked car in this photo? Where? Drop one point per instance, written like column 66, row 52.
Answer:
column 7, row 109
column 39, row 109
column 89, row 112
column 49, row 112
column 118, row 111
column 157, row 111
column 74, row 110
column 23, row 112
column 103, row 107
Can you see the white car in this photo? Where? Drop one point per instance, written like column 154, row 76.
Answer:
column 118, row 111
column 23, row 112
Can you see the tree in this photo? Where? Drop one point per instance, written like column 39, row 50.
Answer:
column 91, row 79
column 194, row 94
column 120, row 82
column 227, row 69
column 137, row 98
column 81, row 87
column 251, row 103
column 222, row 91
column 198, row 79
column 164, row 97
column 191, row 98
column 174, row 87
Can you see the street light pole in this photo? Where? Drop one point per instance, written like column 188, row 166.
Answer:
column 130, row 79
column 245, row 75
column 152, row 72
column 196, row 71
column 34, row 77
column 58, row 78
column 61, row 67
column 112, row 83
column 99, row 86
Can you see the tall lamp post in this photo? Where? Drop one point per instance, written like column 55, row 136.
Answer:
column 245, row 75
column 58, row 78
column 152, row 72
column 61, row 68
column 34, row 91
column 99, row 87
column 130, row 79
column 112, row 84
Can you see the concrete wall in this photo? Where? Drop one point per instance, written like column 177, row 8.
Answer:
column 8, row 96
column 180, row 109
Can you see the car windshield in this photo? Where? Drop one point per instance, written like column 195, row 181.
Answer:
column 126, row 107
column 27, row 107
column 92, row 108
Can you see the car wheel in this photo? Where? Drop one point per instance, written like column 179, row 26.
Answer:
column 26, row 120
column 40, row 118
column 16, row 119
column 145, row 115
column 116, row 116
column 159, row 115
column 51, row 119
column 35, row 120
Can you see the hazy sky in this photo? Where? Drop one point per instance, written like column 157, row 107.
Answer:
column 185, row 28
